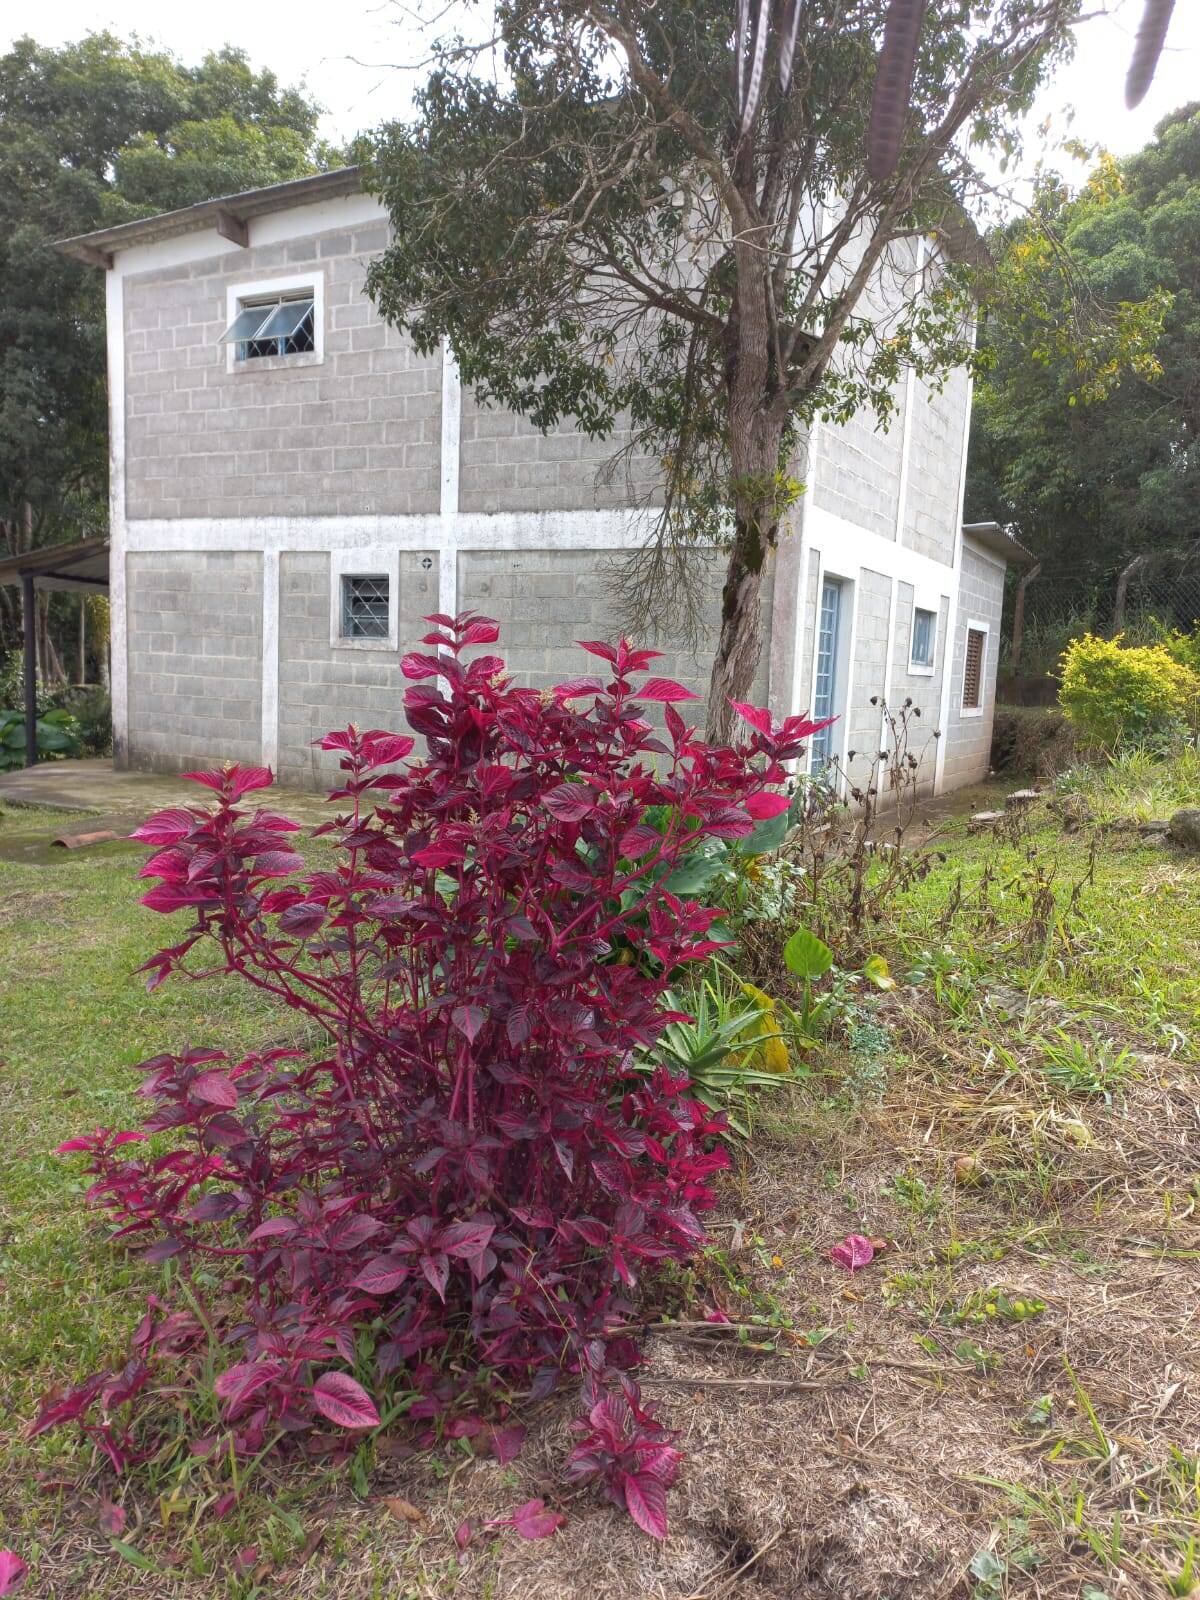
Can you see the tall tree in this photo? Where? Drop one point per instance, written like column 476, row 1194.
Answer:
column 604, row 231
column 90, row 134
column 1091, row 479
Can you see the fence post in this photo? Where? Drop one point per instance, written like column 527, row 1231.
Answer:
column 29, row 627
column 1018, row 632
column 1128, row 573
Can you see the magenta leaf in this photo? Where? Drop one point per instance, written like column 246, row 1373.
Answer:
column 344, row 1401
column 766, row 804
column 469, row 1020
column 506, row 1442
column 569, row 802
column 13, row 1572
column 664, row 689
column 646, row 1499
column 112, row 1518
column 215, row 1089
column 534, row 1521
column 854, row 1252
column 758, row 717
column 383, row 1275
column 576, row 688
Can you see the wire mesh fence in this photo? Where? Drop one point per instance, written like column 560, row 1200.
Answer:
column 1140, row 599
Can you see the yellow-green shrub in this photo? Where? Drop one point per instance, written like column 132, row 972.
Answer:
column 1116, row 694
column 1183, row 647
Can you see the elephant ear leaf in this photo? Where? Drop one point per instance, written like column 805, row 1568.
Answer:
column 1151, row 36
column 807, row 956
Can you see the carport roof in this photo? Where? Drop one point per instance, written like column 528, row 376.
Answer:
column 996, row 537
column 82, row 566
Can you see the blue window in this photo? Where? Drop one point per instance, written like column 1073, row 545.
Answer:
column 924, row 633
column 826, row 686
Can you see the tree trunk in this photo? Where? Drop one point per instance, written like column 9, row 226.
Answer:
column 739, row 645
column 1018, row 627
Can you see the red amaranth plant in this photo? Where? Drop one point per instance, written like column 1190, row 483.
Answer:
column 468, row 1179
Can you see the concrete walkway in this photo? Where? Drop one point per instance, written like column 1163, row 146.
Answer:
column 95, row 786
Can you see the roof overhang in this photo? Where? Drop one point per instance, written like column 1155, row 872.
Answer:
column 228, row 214
column 82, row 566
column 1000, row 541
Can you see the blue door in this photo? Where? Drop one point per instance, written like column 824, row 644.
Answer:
column 825, row 688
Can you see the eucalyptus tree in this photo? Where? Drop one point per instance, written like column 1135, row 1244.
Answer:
column 610, row 229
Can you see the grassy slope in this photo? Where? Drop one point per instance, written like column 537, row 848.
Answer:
column 1054, row 1181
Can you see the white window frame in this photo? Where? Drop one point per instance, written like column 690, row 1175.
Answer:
column 923, row 669
column 366, row 561
column 974, row 625
column 843, row 677
column 236, row 296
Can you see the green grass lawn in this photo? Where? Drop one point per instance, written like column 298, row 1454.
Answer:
column 1036, row 1125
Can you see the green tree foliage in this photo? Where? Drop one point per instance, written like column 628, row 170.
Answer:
column 599, row 241
column 1093, row 474
column 91, row 134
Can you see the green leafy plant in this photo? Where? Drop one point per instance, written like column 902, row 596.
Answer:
column 1116, row 694
column 1085, row 1067
column 724, row 1049
column 57, row 735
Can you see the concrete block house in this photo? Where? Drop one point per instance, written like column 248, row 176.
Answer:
column 293, row 488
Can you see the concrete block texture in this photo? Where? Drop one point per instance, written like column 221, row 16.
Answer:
column 324, row 686
column 235, row 435
column 506, row 464
column 857, row 472
column 867, row 672
column 924, row 690
column 936, row 439
column 545, row 600
column 195, row 658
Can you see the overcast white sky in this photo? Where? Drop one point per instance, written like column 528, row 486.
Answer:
column 345, row 55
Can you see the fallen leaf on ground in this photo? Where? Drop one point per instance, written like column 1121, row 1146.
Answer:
column 855, row 1251
column 404, row 1510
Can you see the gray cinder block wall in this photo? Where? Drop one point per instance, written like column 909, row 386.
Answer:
column 195, row 658
column 235, row 482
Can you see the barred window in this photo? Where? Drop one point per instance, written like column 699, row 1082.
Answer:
column 972, row 695
column 365, row 602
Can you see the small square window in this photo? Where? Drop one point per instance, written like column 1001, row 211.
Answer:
column 365, row 606
column 972, row 695
column 281, row 325
column 924, row 634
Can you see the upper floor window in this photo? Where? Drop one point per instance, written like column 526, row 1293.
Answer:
column 274, row 325
column 924, row 637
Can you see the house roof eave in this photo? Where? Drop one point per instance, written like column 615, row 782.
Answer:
column 227, row 214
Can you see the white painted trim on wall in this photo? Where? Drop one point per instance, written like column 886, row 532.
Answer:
column 814, row 437
column 114, row 310
column 924, row 669
column 853, row 546
column 939, row 761
column 237, row 293
column 514, row 531
column 364, row 561
column 450, row 458
column 278, row 227
column 270, row 659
